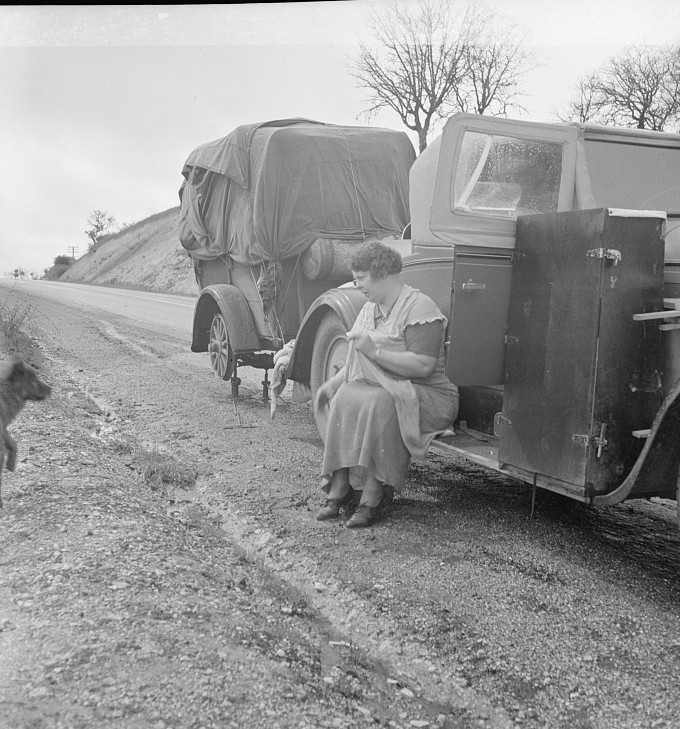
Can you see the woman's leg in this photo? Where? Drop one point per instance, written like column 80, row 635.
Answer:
column 373, row 491
column 339, row 484
column 339, row 494
column 370, row 506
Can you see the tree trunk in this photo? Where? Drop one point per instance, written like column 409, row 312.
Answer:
column 422, row 139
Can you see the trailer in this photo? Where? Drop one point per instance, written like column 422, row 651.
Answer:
column 270, row 216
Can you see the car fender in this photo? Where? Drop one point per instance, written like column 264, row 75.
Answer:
column 655, row 472
column 346, row 302
column 232, row 304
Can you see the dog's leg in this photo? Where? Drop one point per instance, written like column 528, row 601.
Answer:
column 11, row 446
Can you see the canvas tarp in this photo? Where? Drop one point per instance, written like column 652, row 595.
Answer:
column 267, row 191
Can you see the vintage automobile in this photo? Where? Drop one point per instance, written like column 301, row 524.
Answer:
column 271, row 215
column 554, row 251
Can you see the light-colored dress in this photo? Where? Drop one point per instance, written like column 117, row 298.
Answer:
column 379, row 420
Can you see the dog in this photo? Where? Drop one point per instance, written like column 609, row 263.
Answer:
column 19, row 382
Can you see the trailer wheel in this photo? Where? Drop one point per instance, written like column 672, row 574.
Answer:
column 221, row 354
column 328, row 357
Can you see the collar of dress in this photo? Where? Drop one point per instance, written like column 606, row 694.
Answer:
column 380, row 314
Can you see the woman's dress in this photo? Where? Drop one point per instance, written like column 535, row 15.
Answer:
column 378, row 420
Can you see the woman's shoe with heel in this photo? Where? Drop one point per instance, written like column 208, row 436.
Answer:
column 331, row 509
column 364, row 515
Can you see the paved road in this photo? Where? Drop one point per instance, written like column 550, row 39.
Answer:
column 164, row 313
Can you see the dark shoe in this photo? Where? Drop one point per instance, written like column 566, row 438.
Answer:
column 331, row 509
column 363, row 516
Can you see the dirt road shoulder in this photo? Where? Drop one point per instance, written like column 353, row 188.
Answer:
column 122, row 606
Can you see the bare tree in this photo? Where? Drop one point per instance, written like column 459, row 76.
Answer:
column 430, row 59
column 640, row 88
column 584, row 105
column 417, row 62
column 100, row 223
column 495, row 63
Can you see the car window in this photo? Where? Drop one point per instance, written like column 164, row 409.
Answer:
column 507, row 176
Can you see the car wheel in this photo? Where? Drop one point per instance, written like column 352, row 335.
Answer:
column 328, row 358
column 219, row 349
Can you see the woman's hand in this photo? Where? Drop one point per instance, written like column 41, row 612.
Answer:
column 363, row 343
column 324, row 395
column 329, row 388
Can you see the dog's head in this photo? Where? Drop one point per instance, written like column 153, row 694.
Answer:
column 25, row 380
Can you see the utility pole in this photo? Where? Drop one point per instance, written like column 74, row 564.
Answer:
column 74, row 250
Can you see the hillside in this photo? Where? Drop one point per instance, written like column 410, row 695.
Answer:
column 146, row 255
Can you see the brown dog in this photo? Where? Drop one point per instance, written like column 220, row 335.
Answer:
column 19, row 382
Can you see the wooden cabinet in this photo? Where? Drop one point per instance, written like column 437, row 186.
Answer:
column 581, row 373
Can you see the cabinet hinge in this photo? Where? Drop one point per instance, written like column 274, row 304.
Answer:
column 596, row 441
column 610, row 254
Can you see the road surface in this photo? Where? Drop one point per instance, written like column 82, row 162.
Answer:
column 161, row 312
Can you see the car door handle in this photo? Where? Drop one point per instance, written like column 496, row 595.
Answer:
column 471, row 286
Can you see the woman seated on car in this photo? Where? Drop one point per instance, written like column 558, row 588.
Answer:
column 391, row 397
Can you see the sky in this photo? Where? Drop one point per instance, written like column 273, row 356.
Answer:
column 100, row 105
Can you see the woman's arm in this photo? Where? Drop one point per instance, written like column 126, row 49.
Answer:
column 406, row 364
column 329, row 388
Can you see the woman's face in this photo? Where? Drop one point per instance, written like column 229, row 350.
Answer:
column 371, row 288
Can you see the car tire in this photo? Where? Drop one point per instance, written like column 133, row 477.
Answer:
column 328, row 357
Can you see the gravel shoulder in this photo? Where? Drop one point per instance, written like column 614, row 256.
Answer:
column 126, row 604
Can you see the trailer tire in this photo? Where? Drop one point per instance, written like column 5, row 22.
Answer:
column 328, row 357
column 219, row 349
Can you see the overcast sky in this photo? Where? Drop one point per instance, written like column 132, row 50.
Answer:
column 101, row 105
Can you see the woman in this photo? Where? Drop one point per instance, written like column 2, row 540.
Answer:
column 391, row 397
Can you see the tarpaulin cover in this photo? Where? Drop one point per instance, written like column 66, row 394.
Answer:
column 267, row 191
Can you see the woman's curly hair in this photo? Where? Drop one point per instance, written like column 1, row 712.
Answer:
column 378, row 259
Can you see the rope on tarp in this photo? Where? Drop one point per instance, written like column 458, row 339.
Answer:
column 290, row 280
column 266, row 317
column 275, row 334
column 354, row 182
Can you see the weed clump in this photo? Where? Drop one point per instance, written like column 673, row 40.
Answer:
column 15, row 319
column 161, row 471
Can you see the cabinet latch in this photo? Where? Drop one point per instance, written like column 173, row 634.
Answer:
column 596, row 441
column 610, row 254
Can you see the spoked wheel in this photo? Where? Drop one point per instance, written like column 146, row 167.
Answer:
column 221, row 354
column 328, row 358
